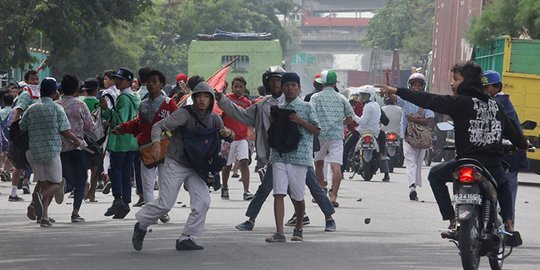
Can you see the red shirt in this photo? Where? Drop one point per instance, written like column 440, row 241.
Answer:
column 240, row 130
column 141, row 128
column 358, row 110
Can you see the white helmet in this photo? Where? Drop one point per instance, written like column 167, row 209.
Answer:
column 368, row 89
column 416, row 77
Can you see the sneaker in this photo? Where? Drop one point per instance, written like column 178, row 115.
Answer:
column 235, row 175
column 225, row 193
column 297, row 235
column 138, row 237
column 292, row 221
column 386, row 178
column 59, row 196
column 413, row 196
column 15, row 199
column 51, row 220
column 37, row 205
column 117, row 204
column 248, row 196
column 26, row 189
column 122, row 212
column 140, row 202
column 330, row 226
column 107, row 188
column 165, row 218
column 99, row 186
column 245, row 226
column 187, row 244
column 77, row 219
column 276, row 238
column 30, row 212
column 45, row 223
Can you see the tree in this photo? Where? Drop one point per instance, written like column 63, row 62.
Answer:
column 406, row 25
column 505, row 17
column 170, row 27
column 64, row 23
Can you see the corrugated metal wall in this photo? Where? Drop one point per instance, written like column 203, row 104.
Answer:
column 452, row 18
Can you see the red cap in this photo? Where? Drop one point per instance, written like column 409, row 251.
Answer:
column 317, row 76
column 181, row 77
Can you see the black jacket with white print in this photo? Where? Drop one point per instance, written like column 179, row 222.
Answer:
column 480, row 123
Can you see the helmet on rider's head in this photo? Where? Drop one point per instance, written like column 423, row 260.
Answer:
column 271, row 71
column 418, row 77
column 367, row 90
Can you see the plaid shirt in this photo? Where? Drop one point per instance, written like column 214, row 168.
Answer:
column 44, row 122
column 331, row 108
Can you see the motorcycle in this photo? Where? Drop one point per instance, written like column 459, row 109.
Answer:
column 480, row 231
column 365, row 159
column 394, row 150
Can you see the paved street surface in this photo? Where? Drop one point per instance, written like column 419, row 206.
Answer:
column 402, row 234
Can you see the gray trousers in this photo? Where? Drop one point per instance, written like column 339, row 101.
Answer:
column 171, row 177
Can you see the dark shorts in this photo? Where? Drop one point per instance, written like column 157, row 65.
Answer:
column 18, row 158
column 95, row 160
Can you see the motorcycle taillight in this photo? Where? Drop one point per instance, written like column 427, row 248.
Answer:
column 468, row 175
column 367, row 139
column 391, row 136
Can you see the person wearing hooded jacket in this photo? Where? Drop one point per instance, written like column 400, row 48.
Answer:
column 480, row 124
column 177, row 170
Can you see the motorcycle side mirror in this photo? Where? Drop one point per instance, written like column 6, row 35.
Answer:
column 528, row 124
column 445, row 126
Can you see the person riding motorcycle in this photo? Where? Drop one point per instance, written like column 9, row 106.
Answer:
column 480, row 125
column 370, row 122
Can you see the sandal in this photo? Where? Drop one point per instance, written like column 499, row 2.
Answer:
column 335, row 204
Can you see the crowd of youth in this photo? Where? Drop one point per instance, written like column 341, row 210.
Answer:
column 58, row 119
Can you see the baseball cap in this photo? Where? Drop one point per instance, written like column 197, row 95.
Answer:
column 123, row 73
column 491, row 77
column 181, row 77
column 327, row 77
column 90, row 84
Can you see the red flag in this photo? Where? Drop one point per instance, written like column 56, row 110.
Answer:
column 217, row 81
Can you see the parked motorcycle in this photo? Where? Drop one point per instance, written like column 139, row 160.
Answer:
column 394, row 149
column 365, row 159
column 480, row 230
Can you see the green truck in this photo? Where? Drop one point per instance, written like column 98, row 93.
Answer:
column 253, row 57
column 518, row 61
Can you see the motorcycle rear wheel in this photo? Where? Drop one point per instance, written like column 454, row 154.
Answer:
column 497, row 263
column 469, row 241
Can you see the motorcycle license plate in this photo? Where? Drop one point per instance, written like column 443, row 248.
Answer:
column 467, row 199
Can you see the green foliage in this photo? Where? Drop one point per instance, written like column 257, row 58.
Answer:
column 403, row 24
column 505, row 17
column 529, row 17
column 87, row 37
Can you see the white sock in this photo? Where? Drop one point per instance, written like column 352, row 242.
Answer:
column 13, row 191
column 184, row 237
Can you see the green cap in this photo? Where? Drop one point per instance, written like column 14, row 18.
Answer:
column 327, row 77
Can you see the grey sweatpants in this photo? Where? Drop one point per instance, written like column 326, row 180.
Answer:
column 171, row 177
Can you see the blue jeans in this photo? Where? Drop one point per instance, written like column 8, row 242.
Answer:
column 119, row 172
column 266, row 186
column 512, row 178
column 74, row 170
column 137, row 174
column 440, row 174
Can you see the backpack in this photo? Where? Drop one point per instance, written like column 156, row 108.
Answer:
column 19, row 138
column 202, row 147
column 95, row 138
column 283, row 135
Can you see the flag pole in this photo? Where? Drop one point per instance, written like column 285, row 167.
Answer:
column 226, row 65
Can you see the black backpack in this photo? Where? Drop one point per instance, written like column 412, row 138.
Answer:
column 283, row 135
column 19, row 138
column 202, row 147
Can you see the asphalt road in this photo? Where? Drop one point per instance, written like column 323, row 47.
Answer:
column 401, row 235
